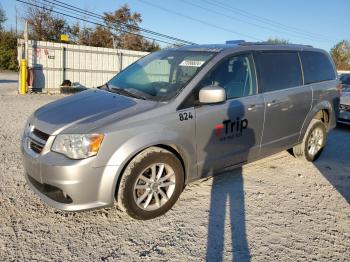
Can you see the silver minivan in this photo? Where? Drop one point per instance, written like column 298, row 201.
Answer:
column 176, row 116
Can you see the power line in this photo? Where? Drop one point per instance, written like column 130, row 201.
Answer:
column 86, row 12
column 75, row 12
column 241, row 20
column 198, row 20
column 92, row 18
column 265, row 20
column 95, row 23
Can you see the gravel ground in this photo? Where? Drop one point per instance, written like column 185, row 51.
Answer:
column 275, row 209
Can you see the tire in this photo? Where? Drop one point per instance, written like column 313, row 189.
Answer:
column 304, row 150
column 144, row 178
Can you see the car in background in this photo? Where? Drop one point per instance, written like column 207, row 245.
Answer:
column 345, row 80
column 344, row 115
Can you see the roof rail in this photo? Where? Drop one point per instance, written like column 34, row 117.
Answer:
column 268, row 43
column 234, row 42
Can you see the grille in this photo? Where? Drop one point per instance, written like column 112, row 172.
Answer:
column 36, row 147
column 40, row 134
column 37, row 140
column 345, row 107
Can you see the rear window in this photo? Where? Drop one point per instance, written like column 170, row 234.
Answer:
column 278, row 70
column 317, row 67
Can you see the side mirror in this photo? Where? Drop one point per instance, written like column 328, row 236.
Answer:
column 212, row 95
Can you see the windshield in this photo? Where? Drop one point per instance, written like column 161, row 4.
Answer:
column 161, row 75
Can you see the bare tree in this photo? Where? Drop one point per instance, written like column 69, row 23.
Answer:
column 123, row 24
column 44, row 24
column 2, row 18
column 80, row 35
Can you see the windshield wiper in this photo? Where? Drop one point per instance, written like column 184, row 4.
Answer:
column 124, row 92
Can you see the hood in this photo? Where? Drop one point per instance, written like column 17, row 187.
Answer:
column 88, row 110
column 347, row 94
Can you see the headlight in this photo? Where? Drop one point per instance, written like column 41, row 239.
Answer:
column 77, row 146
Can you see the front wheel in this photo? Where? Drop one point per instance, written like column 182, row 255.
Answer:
column 151, row 184
column 313, row 142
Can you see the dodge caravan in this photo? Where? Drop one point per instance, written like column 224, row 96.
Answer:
column 176, row 116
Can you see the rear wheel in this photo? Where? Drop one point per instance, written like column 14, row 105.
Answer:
column 313, row 142
column 151, row 184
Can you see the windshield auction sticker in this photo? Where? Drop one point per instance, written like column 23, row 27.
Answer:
column 192, row 63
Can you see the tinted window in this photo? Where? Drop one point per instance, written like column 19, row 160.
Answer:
column 317, row 67
column 278, row 70
column 236, row 74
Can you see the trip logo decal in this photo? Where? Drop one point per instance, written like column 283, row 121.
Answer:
column 230, row 128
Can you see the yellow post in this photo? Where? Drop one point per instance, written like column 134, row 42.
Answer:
column 23, row 76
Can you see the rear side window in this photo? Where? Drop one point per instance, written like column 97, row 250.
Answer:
column 278, row 70
column 317, row 67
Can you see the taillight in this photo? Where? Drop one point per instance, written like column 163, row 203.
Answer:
column 340, row 88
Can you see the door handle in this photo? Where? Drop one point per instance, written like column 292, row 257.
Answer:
column 269, row 104
column 251, row 107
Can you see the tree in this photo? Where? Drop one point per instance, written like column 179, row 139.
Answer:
column 43, row 24
column 124, row 27
column 121, row 26
column 101, row 37
column 122, row 21
column 277, row 41
column 2, row 18
column 80, row 35
column 341, row 55
column 149, row 46
column 8, row 45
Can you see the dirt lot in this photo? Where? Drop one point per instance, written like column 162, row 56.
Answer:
column 274, row 209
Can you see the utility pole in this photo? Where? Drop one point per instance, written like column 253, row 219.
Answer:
column 114, row 46
column 16, row 13
column 120, row 56
column 25, row 35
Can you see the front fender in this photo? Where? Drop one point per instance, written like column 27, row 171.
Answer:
column 140, row 142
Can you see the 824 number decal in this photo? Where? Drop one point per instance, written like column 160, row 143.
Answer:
column 185, row 116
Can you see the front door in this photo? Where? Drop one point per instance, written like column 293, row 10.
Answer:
column 230, row 133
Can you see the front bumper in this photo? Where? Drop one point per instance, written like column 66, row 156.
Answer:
column 66, row 184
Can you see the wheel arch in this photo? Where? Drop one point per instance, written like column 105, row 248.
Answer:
column 323, row 115
column 322, row 111
column 182, row 152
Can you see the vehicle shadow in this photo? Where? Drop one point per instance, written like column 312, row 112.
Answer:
column 334, row 162
column 6, row 81
column 227, row 193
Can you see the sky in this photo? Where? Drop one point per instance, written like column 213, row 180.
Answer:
column 320, row 23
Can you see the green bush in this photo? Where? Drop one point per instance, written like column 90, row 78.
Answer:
column 8, row 51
